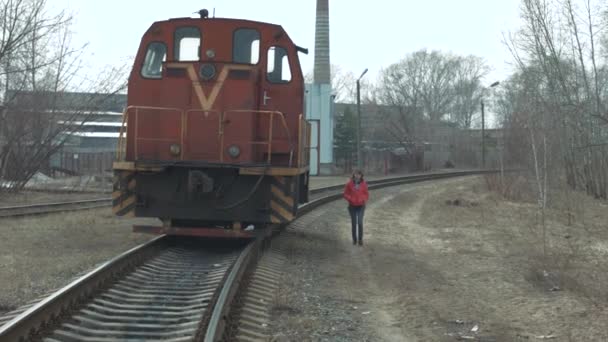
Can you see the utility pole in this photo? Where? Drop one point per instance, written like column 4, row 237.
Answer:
column 483, row 136
column 483, row 127
column 359, row 158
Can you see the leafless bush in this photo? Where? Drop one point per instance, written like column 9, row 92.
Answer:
column 511, row 186
column 557, row 99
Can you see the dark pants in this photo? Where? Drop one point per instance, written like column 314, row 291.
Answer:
column 356, row 218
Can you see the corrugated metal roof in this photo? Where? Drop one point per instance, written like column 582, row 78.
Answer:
column 92, row 123
column 97, row 134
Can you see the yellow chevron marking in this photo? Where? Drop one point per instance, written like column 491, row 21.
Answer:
column 279, row 193
column 116, row 194
column 207, row 102
column 125, row 203
column 131, row 185
column 130, row 213
column 280, row 210
column 275, row 219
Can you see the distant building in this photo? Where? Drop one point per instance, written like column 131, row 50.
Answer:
column 441, row 143
column 94, row 119
column 91, row 148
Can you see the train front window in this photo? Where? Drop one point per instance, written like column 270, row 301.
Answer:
column 153, row 62
column 187, row 44
column 246, row 46
column 278, row 70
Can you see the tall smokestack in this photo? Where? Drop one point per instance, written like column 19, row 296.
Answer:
column 322, row 66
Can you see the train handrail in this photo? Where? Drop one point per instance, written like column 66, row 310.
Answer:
column 122, row 145
column 119, row 147
column 125, row 116
column 303, row 140
column 270, row 128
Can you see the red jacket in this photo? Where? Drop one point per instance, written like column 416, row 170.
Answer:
column 356, row 197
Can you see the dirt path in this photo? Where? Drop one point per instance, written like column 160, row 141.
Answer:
column 340, row 293
column 433, row 269
column 373, row 285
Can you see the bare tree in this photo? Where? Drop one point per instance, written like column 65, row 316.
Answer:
column 38, row 66
column 425, row 88
column 438, row 78
column 342, row 84
column 468, row 89
column 558, row 44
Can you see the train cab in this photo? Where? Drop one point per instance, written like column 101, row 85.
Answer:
column 214, row 133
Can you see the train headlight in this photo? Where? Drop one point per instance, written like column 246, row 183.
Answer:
column 175, row 149
column 234, row 151
column 207, row 72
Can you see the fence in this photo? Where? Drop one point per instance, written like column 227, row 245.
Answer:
column 82, row 163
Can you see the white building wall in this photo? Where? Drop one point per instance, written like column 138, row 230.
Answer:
column 319, row 108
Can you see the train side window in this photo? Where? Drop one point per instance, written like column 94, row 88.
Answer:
column 187, row 42
column 153, row 62
column 246, row 46
column 278, row 70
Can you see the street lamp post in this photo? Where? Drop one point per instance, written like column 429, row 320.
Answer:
column 359, row 158
column 483, row 128
column 483, row 136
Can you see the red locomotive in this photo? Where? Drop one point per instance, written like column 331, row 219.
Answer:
column 215, row 129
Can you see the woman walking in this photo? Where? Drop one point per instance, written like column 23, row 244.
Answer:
column 355, row 192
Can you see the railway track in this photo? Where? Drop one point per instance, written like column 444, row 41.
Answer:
column 49, row 208
column 168, row 297
column 167, row 289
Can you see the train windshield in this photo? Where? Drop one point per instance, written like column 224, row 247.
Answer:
column 278, row 70
column 153, row 63
column 246, row 46
column 187, row 44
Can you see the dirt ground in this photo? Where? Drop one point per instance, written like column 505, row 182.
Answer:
column 446, row 261
column 40, row 254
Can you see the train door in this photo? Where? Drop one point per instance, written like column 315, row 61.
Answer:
column 281, row 91
column 240, row 101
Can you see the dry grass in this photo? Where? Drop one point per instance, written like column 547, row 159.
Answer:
column 40, row 254
column 446, row 252
column 572, row 276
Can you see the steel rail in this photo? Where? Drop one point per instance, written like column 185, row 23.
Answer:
column 217, row 321
column 58, row 303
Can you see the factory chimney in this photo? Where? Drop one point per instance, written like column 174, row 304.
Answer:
column 322, row 66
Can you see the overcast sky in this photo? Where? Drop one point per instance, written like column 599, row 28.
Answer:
column 363, row 34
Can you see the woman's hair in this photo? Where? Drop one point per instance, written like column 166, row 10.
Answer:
column 357, row 172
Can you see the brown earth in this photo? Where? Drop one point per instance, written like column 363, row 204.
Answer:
column 40, row 254
column 446, row 261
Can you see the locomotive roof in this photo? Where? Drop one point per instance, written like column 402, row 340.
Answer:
column 189, row 20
